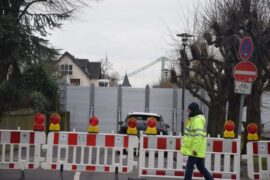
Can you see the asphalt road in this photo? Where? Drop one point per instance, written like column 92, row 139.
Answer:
column 40, row 174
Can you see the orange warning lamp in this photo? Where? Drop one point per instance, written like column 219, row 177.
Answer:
column 54, row 122
column 151, row 126
column 132, row 126
column 252, row 129
column 229, row 127
column 39, row 119
column 93, row 125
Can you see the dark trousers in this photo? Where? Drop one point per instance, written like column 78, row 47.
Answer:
column 200, row 165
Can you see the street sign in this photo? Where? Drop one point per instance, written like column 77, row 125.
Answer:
column 246, row 48
column 245, row 71
column 242, row 87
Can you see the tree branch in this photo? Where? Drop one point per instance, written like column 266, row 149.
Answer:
column 28, row 6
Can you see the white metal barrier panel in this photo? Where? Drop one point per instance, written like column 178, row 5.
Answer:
column 20, row 149
column 160, row 157
column 258, row 159
column 78, row 151
column 223, row 157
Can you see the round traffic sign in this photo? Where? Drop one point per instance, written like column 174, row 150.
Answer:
column 246, row 48
column 245, row 71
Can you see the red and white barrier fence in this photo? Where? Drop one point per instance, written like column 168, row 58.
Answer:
column 20, row 149
column 258, row 159
column 77, row 151
column 160, row 157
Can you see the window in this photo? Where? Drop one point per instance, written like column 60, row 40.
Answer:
column 75, row 82
column 70, row 69
column 66, row 69
column 62, row 67
column 103, row 83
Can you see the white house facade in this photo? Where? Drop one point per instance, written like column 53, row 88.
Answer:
column 78, row 72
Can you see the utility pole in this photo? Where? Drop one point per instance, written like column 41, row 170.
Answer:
column 184, row 37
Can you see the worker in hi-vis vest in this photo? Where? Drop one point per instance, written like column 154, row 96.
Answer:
column 194, row 142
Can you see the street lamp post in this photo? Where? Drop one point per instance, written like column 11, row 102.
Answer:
column 184, row 37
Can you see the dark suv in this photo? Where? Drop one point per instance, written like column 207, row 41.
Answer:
column 141, row 118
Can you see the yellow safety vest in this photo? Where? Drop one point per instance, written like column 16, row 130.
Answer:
column 194, row 137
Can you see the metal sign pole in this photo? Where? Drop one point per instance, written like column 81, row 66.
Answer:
column 241, row 114
column 244, row 73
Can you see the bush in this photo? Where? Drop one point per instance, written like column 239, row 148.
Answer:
column 42, row 87
column 36, row 88
column 39, row 102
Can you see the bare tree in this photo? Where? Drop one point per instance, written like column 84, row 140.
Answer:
column 215, row 52
column 106, row 67
column 114, row 79
column 107, row 72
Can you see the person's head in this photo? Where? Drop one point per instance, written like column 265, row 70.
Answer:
column 193, row 107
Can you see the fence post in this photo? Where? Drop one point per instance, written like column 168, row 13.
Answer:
column 147, row 98
column 22, row 175
column 174, row 113
column 119, row 107
column 62, row 92
column 92, row 100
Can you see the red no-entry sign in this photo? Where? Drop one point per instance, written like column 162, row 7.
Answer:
column 245, row 71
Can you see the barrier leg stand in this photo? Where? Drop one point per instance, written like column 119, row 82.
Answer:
column 22, row 175
column 77, row 175
column 136, row 152
column 61, row 172
column 116, row 174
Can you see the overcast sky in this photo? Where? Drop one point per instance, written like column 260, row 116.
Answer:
column 132, row 33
